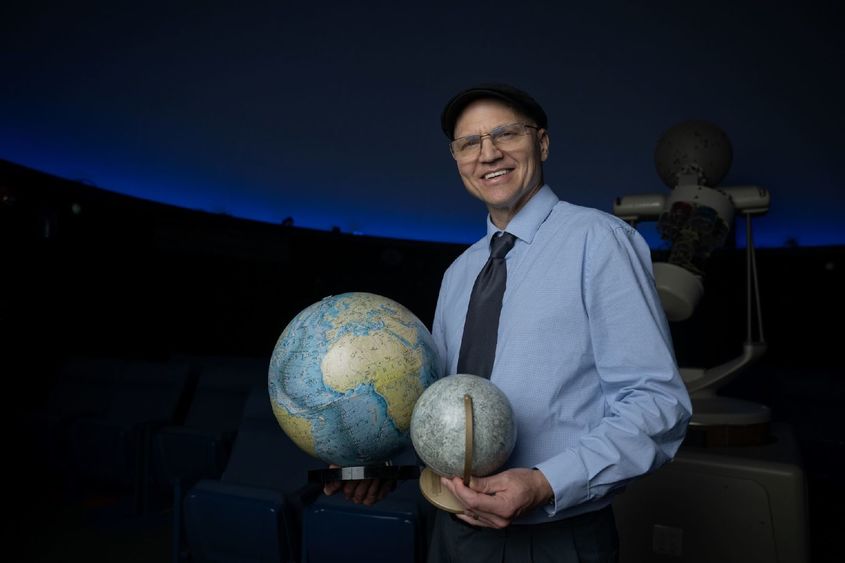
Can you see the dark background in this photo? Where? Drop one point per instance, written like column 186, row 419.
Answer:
column 328, row 112
column 93, row 273
column 178, row 136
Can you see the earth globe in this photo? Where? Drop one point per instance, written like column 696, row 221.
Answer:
column 461, row 426
column 344, row 377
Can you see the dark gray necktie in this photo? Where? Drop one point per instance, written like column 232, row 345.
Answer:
column 478, row 345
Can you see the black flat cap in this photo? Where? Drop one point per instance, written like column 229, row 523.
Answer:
column 519, row 100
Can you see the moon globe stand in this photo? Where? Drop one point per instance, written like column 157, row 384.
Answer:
column 430, row 485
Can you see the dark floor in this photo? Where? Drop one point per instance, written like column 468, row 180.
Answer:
column 62, row 522
column 106, row 529
column 93, row 527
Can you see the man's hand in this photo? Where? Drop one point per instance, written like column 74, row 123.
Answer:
column 494, row 501
column 365, row 491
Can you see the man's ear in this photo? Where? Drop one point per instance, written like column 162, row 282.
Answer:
column 544, row 140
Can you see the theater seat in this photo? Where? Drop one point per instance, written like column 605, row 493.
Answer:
column 394, row 530
column 112, row 450
column 199, row 448
column 252, row 513
column 82, row 387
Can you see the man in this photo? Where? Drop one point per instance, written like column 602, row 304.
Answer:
column 582, row 349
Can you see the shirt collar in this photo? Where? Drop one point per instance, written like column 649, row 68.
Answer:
column 525, row 224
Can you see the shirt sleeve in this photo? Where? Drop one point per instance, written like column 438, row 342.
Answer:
column 647, row 407
column 438, row 329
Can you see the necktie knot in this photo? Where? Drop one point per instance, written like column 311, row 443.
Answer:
column 501, row 244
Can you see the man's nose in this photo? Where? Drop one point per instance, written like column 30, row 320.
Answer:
column 489, row 150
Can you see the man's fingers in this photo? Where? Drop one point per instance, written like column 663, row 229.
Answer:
column 450, row 486
column 472, row 520
column 480, row 509
column 332, row 487
column 369, row 491
column 349, row 489
column 386, row 487
column 481, row 502
column 484, row 485
column 359, row 490
column 466, row 496
column 497, row 509
column 482, row 520
column 366, row 491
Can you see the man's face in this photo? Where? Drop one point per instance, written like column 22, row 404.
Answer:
column 503, row 180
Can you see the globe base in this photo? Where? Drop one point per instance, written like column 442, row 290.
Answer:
column 361, row 472
column 438, row 495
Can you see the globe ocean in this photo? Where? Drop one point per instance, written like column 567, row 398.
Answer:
column 345, row 375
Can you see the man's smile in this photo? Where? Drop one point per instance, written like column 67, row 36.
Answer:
column 497, row 173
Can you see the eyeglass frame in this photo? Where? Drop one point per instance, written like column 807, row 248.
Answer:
column 489, row 134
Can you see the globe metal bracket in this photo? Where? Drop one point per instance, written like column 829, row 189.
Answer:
column 361, row 472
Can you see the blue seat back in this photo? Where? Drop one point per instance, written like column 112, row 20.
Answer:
column 200, row 447
column 391, row 531
column 113, row 449
column 147, row 391
column 263, row 456
column 252, row 513
column 222, row 390
column 82, row 387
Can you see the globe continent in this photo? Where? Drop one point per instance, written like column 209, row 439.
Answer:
column 345, row 375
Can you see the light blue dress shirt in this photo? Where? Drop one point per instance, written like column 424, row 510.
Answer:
column 584, row 351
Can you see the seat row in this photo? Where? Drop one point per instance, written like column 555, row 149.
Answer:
column 202, row 431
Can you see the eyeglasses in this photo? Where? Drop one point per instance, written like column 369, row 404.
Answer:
column 504, row 137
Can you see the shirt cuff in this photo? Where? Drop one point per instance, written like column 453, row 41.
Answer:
column 568, row 478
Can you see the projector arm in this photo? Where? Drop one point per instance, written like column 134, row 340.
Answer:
column 748, row 200
column 639, row 207
column 697, row 379
column 707, row 381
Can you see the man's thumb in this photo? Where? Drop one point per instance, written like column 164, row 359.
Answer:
column 480, row 484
